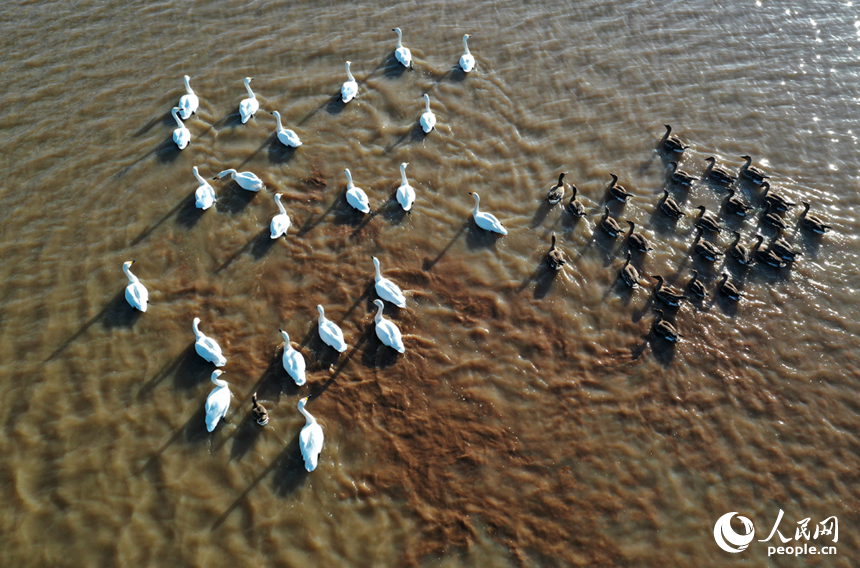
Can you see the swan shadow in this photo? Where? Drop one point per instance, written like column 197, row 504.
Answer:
column 415, row 134
column 230, row 121
column 540, row 214
column 392, row 69
column 119, row 313
column 280, row 153
column 195, row 429
column 119, row 296
column 165, row 119
column 236, row 254
column 605, row 244
column 811, row 242
column 192, row 370
column 245, row 437
column 263, row 243
column 318, row 389
column 377, row 355
column 546, row 275
column 234, row 199
column 429, row 264
column 189, row 214
column 325, row 354
column 290, row 472
column 335, row 105
column 728, row 306
column 310, row 224
column 455, row 74
column 346, row 214
column 622, row 291
column 167, row 370
column 148, row 231
column 477, row 237
column 393, row 212
column 167, row 151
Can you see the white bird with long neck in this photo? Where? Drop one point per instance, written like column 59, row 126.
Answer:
column 204, row 195
column 330, row 333
column 248, row 107
column 349, row 89
column 246, row 180
column 467, row 60
column 388, row 290
column 207, row 347
column 136, row 293
column 218, row 400
column 405, row 193
column 402, row 54
column 188, row 102
column 293, row 361
column 428, row 119
column 280, row 222
column 285, row 135
column 310, row 438
column 355, row 196
column 387, row 331
column 487, row 221
column 181, row 136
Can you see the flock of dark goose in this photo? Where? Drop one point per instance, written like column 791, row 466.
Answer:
column 778, row 254
column 218, row 402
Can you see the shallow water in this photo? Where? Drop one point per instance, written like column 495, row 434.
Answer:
column 533, row 420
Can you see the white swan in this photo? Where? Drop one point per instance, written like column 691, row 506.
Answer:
column 428, row 119
column 388, row 290
column 280, row 222
column 486, row 221
column 218, row 400
column 246, row 180
column 207, row 347
column 311, row 438
column 402, row 54
column 330, row 333
column 355, row 196
column 188, row 102
column 136, row 293
column 405, row 193
column 285, row 135
column 467, row 60
column 350, row 88
column 204, row 196
column 181, row 136
column 387, row 331
column 248, row 107
column 293, row 361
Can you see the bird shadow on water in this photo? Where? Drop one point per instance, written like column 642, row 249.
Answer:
column 165, row 120
column 189, row 214
column 415, row 134
column 376, row 354
column 278, row 152
column 662, row 349
column 234, row 199
column 540, row 214
column 430, row 263
column 191, row 370
column 544, row 278
column 259, row 245
column 167, row 151
column 477, row 237
column 116, row 313
column 229, row 121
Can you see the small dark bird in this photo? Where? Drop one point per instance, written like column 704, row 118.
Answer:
column 736, row 205
column 728, row 289
column 258, row 413
column 617, row 191
column 670, row 207
column 775, row 201
column 782, row 247
column 664, row 329
column 637, row 240
column 696, row 287
column 555, row 256
column 672, row 143
column 767, row 256
column 610, row 225
column 680, row 176
column 707, row 220
column 706, row 250
column 717, row 174
column 667, row 294
column 741, row 253
column 774, row 220
column 629, row 274
column 752, row 173
column 811, row 222
column 556, row 192
column 576, row 208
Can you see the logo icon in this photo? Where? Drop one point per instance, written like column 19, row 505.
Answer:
column 726, row 536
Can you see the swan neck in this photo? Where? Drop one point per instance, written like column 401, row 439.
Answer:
column 132, row 279
column 466, row 45
column 477, row 201
column 280, row 205
column 378, row 317
column 188, row 85
column 427, row 100
column 195, row 325
column 309, row 419
column 399, row 37
column 278, row 118
column 197, row 175
column 248, row 88
column 403, row 174
column 230, row 172
column 176, row 118
column 376, row 266
column 349, row 73
column 219, row 382
column 286, row 338
column 349, row 183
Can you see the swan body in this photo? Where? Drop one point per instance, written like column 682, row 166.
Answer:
column 405, row 193
column 310, row 438
column 218, row 401
column 207, row 347
column 387, row 331
column 486, row 221
column 355, row 196
column 293, row 361
column 388, row 290
column 349, row 89
column 204, row 195
column 467, row 60
column 402, row 54
column 188, row 102
column 181, row 136
column 428, row 119
column 136, row 293
column 285, row 135
column 280, row 222
column 246, row 180
column 248, row 107
column 330, row 333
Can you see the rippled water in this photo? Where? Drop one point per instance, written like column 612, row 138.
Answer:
column 532, row 421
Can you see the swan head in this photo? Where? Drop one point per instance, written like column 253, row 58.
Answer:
column 396, row 30
column 475, row 195
column 467, row 36
column 427, row 98
column 278, row 197
column 302, row 403
column 276, row 113
column 195, row 323
column 127, row 264
column 214, row 378
column 285, row 335
column 348, row 63
column 248, row 80
column 379, row 304
column 403, row 166
column 375, row 261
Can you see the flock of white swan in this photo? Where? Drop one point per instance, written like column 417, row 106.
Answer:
column 218, row 402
